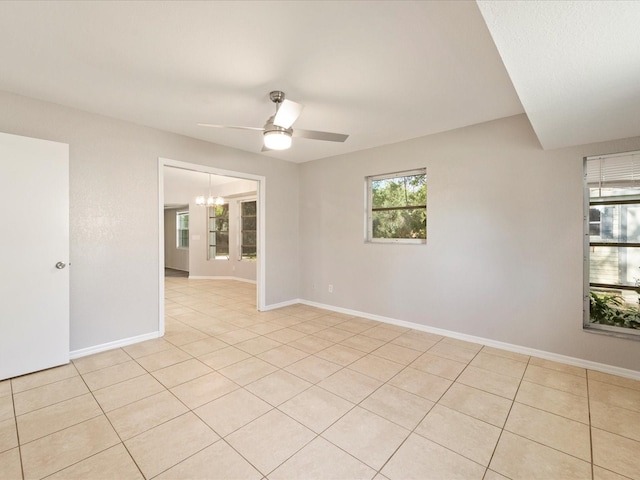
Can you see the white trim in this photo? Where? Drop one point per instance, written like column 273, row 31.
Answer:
column 239, row 279
column 288, row 303
column 556, row 357
column 83, row 352
column 261, row 196
column 161, row 264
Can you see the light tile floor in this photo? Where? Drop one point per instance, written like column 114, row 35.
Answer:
column 303, row 393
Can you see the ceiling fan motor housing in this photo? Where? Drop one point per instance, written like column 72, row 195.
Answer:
column 276, row 96
column 271, row 127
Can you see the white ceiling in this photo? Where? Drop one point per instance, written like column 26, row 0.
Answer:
column 182, row 185
column 381, row 71
column 574, row 64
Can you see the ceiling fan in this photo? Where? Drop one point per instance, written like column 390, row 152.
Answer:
column 278, row 132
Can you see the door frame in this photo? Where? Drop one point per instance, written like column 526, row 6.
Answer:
column 260, row 195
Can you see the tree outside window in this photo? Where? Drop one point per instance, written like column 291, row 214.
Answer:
column 248, row 214
column 218, row 232
column 397, row 207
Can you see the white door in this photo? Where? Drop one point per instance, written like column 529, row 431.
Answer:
column 34, row 255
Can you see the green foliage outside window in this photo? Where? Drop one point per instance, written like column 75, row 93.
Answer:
column 399, row 207
column 249, row 220
column 611, row 309
column 219, row 232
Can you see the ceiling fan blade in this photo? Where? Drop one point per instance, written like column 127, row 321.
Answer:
column 288, row 112
column 315, row 135
column 230, row 126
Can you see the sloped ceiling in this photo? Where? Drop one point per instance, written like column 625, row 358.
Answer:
column 574, row 64
column 381, row 71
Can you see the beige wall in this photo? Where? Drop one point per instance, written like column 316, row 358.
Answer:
column 503, row 258
column 114, row 256
column 174, row 257
column 199, row 265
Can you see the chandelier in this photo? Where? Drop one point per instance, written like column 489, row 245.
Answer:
column 209, row 201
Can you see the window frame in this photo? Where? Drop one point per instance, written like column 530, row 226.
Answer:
column 215, row 232
column 368, row 227
column 179, row 244
column 241, row 230
column 604, row 202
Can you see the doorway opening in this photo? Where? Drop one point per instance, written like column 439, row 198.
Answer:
column 223, row 240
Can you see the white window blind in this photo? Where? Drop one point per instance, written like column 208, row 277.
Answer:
column 617, row 170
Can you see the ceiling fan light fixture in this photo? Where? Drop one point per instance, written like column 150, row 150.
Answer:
column 277, row 140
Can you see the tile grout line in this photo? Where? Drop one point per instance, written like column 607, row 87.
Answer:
column 111, row 425
column 590, row 426
column 413, row 431
column 15, row 422
column 513, row 401
column 245, row 316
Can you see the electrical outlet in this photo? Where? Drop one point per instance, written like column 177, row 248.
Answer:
column 330, row 288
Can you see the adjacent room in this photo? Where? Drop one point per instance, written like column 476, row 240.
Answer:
column 301, row 240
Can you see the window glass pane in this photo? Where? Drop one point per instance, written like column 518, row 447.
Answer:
column 615, row 308
column 248, row 208
column 221, row 224
column 618, row 223
column 249, row 238
column 615, row 266
column 399, row 191
column 182, row 229
column 411, row 223
column 218, row 232
column 249, row 223
column 248, row 230
column 222, row 243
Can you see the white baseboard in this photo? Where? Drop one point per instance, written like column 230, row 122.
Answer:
column 238, row 279
column 556, row 357
column 578, row 362
column 288, row 303
column 83, row 352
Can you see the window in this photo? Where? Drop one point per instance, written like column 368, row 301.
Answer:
column 248, row 221
column 182, row 229
column 397, row 207
column 612, row 243
column 218, row 232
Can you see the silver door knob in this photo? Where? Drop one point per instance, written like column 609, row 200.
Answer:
column 60, row 265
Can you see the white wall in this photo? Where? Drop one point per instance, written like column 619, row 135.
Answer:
column 174, row 257
column 503, row 258
column 114, row 213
